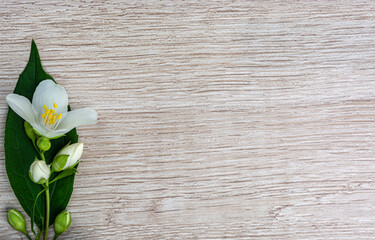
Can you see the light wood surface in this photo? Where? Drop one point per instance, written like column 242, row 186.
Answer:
column 217, row 119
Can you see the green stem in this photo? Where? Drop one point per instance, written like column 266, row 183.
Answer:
column 32, row 225
column 55, row 237
column 41, row 153
column 32, row 215
column 47, row 212
column 38, row 236
column 28, row 236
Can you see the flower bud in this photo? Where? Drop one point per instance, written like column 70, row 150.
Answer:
column 67, row 157
column 43, row 143
column 62, row 222
column 16, row 220
column 29, row 131
column 39, row 171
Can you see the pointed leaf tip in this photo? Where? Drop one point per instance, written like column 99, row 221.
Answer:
column 33, row 45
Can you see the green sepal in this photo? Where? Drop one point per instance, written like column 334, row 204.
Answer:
column 75, row 164
column 59, row 163
column 30, row 131
column 58, row 136
column 37, row 133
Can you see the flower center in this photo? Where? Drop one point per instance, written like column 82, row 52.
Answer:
column 50, row 117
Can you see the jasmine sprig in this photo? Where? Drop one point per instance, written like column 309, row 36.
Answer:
column 46, row 118
column 40, row 112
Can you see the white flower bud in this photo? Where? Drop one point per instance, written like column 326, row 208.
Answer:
column 39, row 172
column 67, row 157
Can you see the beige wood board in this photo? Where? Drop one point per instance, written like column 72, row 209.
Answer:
column 217, row 119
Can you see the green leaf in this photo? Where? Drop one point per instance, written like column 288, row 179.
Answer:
column 20, row 153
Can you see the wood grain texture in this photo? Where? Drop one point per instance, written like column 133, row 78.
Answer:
column 217, row 119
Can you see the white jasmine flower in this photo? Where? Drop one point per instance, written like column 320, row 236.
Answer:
column 48, row 113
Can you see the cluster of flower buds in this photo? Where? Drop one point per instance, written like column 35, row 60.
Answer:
column 40, row 172
column 66, row 158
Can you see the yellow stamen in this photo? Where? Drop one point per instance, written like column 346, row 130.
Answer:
column 49, row 116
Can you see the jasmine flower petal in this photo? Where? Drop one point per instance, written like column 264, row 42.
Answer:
column 22, row 107
column 72, row 119
column 47, row 132
column 47, row 93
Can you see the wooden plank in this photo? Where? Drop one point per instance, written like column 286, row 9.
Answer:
column 217, row 119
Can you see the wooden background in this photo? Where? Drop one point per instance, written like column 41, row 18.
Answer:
column 217, row 119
